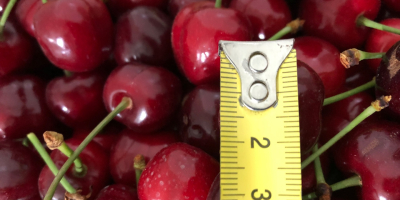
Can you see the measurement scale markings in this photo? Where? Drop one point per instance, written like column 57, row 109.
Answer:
column 289, row 142
column 229, row 146
column 228, row 151
column 228, row 173
column 232, row 141
column 229, row 97
column 287, row 91
column 290, row 72
column 289, row 195
column 287, row 116
column 232, row 116
column 233, row 194
column 228, row 77
column 228, row 87
column 230, row 189
column 223, row 91
column 229, row 136
column 228, row 72
column 288, row 147
column 232, row 168
column 289, row 76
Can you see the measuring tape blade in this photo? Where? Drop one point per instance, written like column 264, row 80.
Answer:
column 259, row 121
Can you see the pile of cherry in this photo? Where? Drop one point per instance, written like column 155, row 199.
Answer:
column 154, row 65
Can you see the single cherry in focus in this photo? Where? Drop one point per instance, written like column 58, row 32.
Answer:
column 117, row 192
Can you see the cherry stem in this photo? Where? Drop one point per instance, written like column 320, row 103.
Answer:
column 349, row 93
column 49, row 162
column 218, row 3
column 352, row 57
column 138, row 164
column 44, row 1
column 125, row 103
column 67, row 151
column 363, row 21
column 319, row 174
column 369, row 55
column 375, row 106
column 25, row 142
column 291, row 27
column 350, row 182
column 67, row 73
column 5, row 15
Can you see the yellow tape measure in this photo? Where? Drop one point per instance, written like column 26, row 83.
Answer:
column 259, row 121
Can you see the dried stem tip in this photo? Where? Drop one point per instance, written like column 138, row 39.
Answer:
column 295, row 25
column 381, row 103
column 139, row 162
column 323, row 191
column 77, row 195
column 350, row 57
column 53, row 139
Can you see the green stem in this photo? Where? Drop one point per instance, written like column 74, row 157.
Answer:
column 5, row 15
column 319, row 174
column 363, row 21
column 138, row 164
column 350, row 182
column 281, row 33
column 366, row 113
column 49, row 162
column 25, row 142
column 67, row 73
column 66, row 150
column 368, row 55
column 125, row 103
column 44, row 1
column 349, row 93
column 218, row 3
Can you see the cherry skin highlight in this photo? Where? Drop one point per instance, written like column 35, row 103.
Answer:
column 25, row 11
column 117, row 192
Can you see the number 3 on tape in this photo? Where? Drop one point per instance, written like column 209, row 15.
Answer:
column 259, row 115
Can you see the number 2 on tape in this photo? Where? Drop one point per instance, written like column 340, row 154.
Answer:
column 259, row 121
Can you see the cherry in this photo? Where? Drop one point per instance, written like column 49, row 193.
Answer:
column 82, row 39
column 117, row 191
column 358, row 75
column 196, row 31
column 19, row 171
column 308, row 178
column 381, row 41
column 338, row 23
column 392, row 5
column 266, row 16
column 23, row 107
column 199, row 119
column 16, row 49
column 25, row 12
column 97, row 173
column 77, row 100
column 364, row 150
column 119, row 7
column 215, row 189
column 143, row 34
column 155, row 94
column 179, row 171
column 128, row 145
column 174, row 6
column 323, row 58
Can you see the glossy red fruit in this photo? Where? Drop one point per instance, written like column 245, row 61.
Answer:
column 119, row 7
column 97, row 176
column 128, row 145
column 196, row 31
column 19, row 172
column 155, row 93
column 179, row 171
column 23, row 107
column 372, row 152
column 338, row 23
column 311, row 98
column 174, row 6
column 267, row 17
column 143, row 35
column 308, row 178
column 392, row 5
column 358, row 75
column 381, row 41
column 199, row 119
column 215, row 189
column 117, row 192
column 25, row 12
column 77, row 100
column 83, row 37
column 16, row 49
column 323, row 58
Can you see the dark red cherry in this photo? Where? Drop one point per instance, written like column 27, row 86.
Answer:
column 23, row 107
column 77, row 100
column 155, row 93
column 335, row 21
column 215, row 189
column 119, row 7
column 323, row 58
column 199, row 119
column 392, row 5
column 372, row 151
column 16, row 49
column 117, row 192
column 93, row 157
column 143, row 35
column 25, row 12
column 267, row 17
column 83, row 37
column 358, row 75
column 311, row 98
column 381, row 41
column 179, row 171
column 174, row 6
column 128, row 145
column 196, row 31
column 19, row 171
column 308, row 179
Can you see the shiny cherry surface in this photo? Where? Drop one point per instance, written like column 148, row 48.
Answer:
column 143, row 34
column 267, row 17
column 83, row 37
column 77, row 100
column 119, row 7
column 25, row 11
column 174, row 6
column 155, row 93
column 308, row 179
column 322, row 57
column 97, row 176
column 130, row 144
column 335, row 21
column 23, row 107
column 117, row 192
column 199, row 119
column 392, row 5
column 196, row 31
column 186, row 171
column 19, row 172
